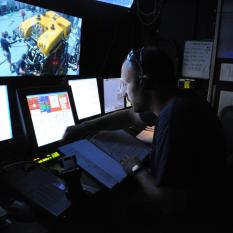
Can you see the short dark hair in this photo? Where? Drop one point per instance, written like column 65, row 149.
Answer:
column 156, row 64
column 24, row 56
column 4, row 34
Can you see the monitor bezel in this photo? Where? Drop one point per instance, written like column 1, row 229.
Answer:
column 26, row 119
column 99, row 2
column 70, row 78
column 51, row 7
column 10, row 103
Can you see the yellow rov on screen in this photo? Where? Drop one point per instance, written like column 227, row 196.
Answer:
column 48, row 30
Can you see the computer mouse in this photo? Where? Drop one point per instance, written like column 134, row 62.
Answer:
column 21, row 211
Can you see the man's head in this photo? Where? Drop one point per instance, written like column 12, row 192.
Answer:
column 5, row 34
column 147, row 73
column 24, row 56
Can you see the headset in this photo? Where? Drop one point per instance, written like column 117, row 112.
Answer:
column 136, row 57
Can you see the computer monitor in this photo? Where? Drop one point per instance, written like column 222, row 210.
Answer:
column 123, row 3
column 5, row 119
column 113, row 98
column 46, row 112
column 86, row 97
column 42, row 42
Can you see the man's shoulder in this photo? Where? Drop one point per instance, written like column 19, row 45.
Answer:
column 190, row 103
column 19, row 61
column 184, row 107
column 3, row 40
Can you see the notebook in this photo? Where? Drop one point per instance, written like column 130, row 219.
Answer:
column 101, row 154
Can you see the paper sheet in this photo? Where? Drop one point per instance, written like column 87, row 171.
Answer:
column 197, row 59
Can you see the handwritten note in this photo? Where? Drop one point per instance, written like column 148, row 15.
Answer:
column 197, row 59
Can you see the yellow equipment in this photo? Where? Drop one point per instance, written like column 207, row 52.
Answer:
column 48, row 30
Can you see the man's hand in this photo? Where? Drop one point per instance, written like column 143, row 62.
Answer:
column 130, row 164
column 76, row 132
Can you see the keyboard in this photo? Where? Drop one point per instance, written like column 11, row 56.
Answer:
column 40, row 187
column 118, row 143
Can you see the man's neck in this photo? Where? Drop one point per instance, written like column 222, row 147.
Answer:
column 160, row 103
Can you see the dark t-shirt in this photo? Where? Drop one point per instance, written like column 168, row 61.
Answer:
column 189, row 150
column 5, row 45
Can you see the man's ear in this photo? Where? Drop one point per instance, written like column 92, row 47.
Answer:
column 144, row 82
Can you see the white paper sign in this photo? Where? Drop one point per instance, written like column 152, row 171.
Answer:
column 197, row 59
column 226, row 73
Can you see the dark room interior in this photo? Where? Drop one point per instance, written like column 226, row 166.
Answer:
column 69, row 113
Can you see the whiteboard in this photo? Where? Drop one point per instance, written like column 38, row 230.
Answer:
column 197, row 59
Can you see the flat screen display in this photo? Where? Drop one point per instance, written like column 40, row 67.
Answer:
column 123, row 3
column 38, row 42
column 86, row 97
column 5, row 119
column 51, row 114
column 113, row 98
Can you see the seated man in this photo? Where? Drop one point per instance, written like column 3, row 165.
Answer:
column 20, row 65
column 189, row 151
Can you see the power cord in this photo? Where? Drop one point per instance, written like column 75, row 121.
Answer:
column 4, row 168
column 153, row 16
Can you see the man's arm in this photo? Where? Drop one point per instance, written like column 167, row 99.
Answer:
column 169, row 200
column 117, row 120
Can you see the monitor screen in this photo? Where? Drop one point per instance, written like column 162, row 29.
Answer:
column 124, row 3
column 86, row 97
column 51, row 114
column 5, row 120
column 113, row 99
column 37, row 41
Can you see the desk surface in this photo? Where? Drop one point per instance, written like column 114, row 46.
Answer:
column 88, row 184
column 23, row 227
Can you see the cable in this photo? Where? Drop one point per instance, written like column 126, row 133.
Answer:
column 155, row 13
column 18, row 163
column 34, row 164
column 147, row 13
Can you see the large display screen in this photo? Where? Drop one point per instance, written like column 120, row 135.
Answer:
column 5, row 120
column 124, row 3
column 86, row 97
column 51, row 114
column 37, row 41
column 113, row 98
